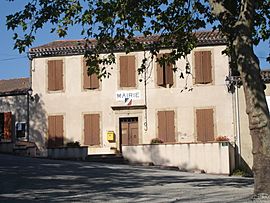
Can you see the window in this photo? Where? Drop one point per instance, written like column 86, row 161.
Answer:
column 55, row 75
column 166, row 127
column 164, row 74
column 5, row 126
column 91, row 129
column 89, row 81
column 203, row 67
column 205, row 125
column 55, row 131
column 127, row 71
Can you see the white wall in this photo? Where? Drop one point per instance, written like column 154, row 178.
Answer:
column 192, row 157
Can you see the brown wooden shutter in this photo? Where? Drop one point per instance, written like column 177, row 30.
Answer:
column 127, row 71
column 86, row 79
column 198, row 68
column 123, row 71
column 89, row 81
column 124, row 133
column 207, row 67
column 94, row 81
column 7, row 126
column 51, row 75
column 59, row 75
column 200, row 125
column 162, row 131
column 59, row 130
column 134, row 133
column 209, row 125
column 87, row 129
column 55, row 131
column 170, row 126
column 51, row 131
column 205, row 125
column 95, row 129
column 55, row 75
column 169, row 74
column 160, row 73
column 131, row 72
column 203, row 67
column 92, row 129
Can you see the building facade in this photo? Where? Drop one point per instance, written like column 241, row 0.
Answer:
column 131, row 109
column 13, row 109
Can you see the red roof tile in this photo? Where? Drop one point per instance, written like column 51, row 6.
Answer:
column 73, row 47
column 14, row 86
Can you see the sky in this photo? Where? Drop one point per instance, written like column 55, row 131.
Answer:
column 15, row 65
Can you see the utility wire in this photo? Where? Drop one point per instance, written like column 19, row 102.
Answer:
column 14, row 58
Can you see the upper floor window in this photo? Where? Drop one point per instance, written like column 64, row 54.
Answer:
column 203, row 67
column 55, row 75
column 127, row 71
column 164, row 73
column 89, row 81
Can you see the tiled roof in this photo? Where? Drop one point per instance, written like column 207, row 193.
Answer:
column 18, row 86
column 75, row 47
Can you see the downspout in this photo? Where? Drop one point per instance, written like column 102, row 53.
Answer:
column 145, row 103
column 30, row 57
column 238, row 139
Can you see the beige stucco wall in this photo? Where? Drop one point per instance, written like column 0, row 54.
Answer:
column 73, row 102
column 246, row 142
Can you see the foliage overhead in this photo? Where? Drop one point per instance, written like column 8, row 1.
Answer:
column 116, row 22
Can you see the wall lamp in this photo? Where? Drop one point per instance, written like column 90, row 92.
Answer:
column 232, row 82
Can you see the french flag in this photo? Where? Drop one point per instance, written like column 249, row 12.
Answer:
column 128, row 101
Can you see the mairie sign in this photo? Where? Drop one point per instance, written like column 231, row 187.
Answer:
column 123, row 95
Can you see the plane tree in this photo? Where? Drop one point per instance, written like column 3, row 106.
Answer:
column 114, row 23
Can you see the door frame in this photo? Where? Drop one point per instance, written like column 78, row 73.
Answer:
column 120, row 119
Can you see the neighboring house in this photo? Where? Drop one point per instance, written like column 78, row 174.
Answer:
column 121, row 110
column 13, row 109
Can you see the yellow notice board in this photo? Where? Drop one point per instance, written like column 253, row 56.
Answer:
column 110, row 136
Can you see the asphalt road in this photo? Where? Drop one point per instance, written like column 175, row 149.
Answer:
column 25, row 179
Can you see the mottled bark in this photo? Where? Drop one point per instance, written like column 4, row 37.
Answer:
column 256, row 106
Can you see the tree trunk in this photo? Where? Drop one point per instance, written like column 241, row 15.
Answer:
column 256, row 106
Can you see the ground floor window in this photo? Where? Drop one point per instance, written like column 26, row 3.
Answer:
column 91, row 129
column 166, row 126
column 55, row 131
column 6, row 126
column 205, row 125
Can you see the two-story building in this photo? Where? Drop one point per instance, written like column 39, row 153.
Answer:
column 127, row 108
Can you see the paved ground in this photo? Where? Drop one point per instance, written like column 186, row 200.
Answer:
column 42, row 180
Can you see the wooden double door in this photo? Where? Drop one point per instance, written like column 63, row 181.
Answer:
column 129, row 131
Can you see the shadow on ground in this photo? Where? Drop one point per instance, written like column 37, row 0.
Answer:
column 25, row 179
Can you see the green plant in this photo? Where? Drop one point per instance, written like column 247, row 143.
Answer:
column 242, row 172
column 156, row 141
column 73, row 144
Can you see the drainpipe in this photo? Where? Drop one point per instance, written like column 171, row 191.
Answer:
column 238, row 140
column 29, row 93
column 28, row 119
column 145, row 102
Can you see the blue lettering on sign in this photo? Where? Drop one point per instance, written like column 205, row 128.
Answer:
column 122, row 95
